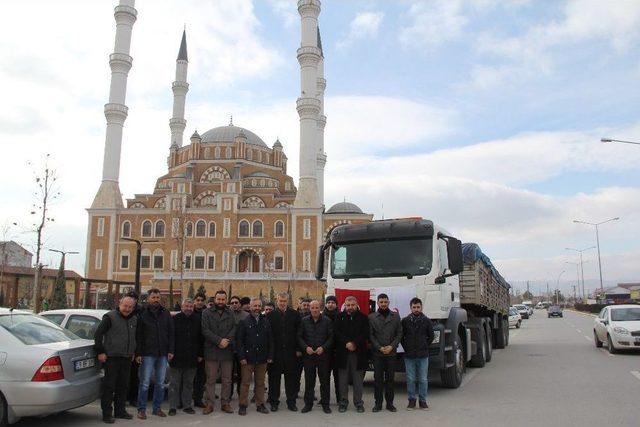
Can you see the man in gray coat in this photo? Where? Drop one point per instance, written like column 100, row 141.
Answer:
column 385, row 333
column 219, row 330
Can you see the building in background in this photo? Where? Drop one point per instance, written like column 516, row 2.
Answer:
column 226, row 214
column 13, row 254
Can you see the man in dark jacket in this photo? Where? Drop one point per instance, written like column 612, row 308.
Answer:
column 417, row 335
column 385, row 334
column 284, row 322
column 200, row 305
column 219, row 330
column 115, row 344
column 254, row 345
column 315, row 338
column 132, row 395
column 239, row 314
column 331, row 311
column 350, row 331
column 155, row 346
column 187, row 355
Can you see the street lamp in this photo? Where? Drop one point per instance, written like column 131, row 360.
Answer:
column 598, row 242
column 581, row 262
column 618, row 140
column 138, row 259
column 558, row 288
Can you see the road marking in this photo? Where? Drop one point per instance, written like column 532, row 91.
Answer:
column 636, row 374
column 579, row 331
column 586, row 338
column 467, row 378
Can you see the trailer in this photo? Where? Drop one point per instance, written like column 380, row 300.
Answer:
column 462, row 292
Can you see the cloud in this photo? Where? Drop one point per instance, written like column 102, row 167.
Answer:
column 432, row 23
column 364, row 25
column 286, row 10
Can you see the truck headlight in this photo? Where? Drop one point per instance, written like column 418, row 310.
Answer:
column 436, row 337
column 620, row 330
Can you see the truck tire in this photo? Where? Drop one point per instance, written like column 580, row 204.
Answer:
column 452, row 377
column 479, row 359
column 4, row 412
column 501, row 334
column 489, row 333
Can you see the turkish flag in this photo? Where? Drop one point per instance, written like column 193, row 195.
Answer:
column 361, row 296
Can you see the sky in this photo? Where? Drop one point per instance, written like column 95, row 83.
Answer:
column 484, row 116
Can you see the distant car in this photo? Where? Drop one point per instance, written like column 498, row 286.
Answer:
column 554, row 311
column 45, row 369
column 514, row 318
column 523, row 310
column 619, row 327
column 82, row 322
column 539, row 306
column 529, row 305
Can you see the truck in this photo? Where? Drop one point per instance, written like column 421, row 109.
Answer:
column 462, row 292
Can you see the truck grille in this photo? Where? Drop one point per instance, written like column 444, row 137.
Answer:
column 635, row 334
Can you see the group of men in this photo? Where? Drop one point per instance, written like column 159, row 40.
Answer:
column 206, row 342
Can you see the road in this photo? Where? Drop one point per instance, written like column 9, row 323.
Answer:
column 550, row 374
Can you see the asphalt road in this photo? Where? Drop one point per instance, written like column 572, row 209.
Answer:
column 550, row 374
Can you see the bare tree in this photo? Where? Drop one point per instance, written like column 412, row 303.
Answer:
column 45, row 194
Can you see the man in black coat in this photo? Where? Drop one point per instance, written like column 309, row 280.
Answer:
column 155, row 346
column 284, row 323
column 188, row 353
column 417, row 335
column 315, row 338
column 351, row 330
column 115, row 345
column 254, row 346
column 331, row 311
column 200, row 304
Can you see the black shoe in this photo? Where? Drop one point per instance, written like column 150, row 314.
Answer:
column 172, row 412
column 108, row 419
column 326, row 409
column 307, row 408
column 412, row 405
column 262, row 409
column 199, row 404
column 423, row 405
column 242, row 410
column 188, row 411
column 377, row 408
column 292, row 407
column 124, row 416
column 274, row 407
column 391, row 408
column 342, row 408
column 360, row 409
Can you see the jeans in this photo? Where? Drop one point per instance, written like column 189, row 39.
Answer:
column 417, row 370
column 181, row 387
column 384, row 371
column 115, row 384
column 149, row 364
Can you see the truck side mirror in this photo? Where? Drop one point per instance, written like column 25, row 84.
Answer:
column 454, row 255
column 320, row 263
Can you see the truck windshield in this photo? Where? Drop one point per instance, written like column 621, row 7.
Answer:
column 383, row 258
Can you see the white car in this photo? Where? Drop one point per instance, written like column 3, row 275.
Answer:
column 82, row 322
column 514, row 318
column 523, row 310
column 619, row 327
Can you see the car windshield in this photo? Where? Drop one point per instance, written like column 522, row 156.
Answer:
column 32, row 329
column 625, row 314
column 513, row 311
column 382, row 258
column 554, row 308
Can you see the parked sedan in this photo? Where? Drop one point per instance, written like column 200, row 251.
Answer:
column 554, row 311
column 523, row 310
column 619, row 327
column 514, row 318
column 45, row 369
column 82, row 322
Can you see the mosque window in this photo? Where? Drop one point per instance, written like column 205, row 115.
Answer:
column 145, row 259
column 287, row 186
column 160, row 203
column 212, row 229
column 211, row 261
column 158, row 259
column 215, row 173
column 243, row 228
column 217, row 152
column 260, row 156
column 278, row 260
column 188, row 229
column 253, row 202
column 207, row 153
column 228, row 153
column 126, row 229
column 159, row 231
column 198, row 260
column 200, row 228
column 187, row 261
column 226, row 228
column 250, row 154
column 124, row 260
column 146, row 229
column 278, row 229
column 256, row 229
column 306, row 228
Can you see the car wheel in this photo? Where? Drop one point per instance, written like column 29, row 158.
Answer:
column 3, row 412
column 610, row 346
column 596, row 340
column 518, row 324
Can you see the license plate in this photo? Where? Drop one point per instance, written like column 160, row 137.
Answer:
column 79, row 365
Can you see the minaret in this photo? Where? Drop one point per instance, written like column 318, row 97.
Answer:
column 180, row 88
column 115, row 111
column 321, row 158
column 308, row 105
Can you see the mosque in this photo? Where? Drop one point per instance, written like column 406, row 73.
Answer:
column 225, row 214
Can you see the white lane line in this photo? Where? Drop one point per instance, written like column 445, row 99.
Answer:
column 586, row 338
column 636, row 374
column 579, row 331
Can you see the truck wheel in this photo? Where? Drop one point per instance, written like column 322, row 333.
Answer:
column 4, row 415
column 452, row 377
column 479, row 359
column 489, row 336
column 501, row 335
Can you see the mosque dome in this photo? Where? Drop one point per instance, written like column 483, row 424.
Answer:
column 227, row 134
column 344, row 208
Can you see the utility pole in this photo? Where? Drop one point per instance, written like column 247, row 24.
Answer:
column 596, row 225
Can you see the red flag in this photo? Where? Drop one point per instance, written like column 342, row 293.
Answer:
column 361, row 296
